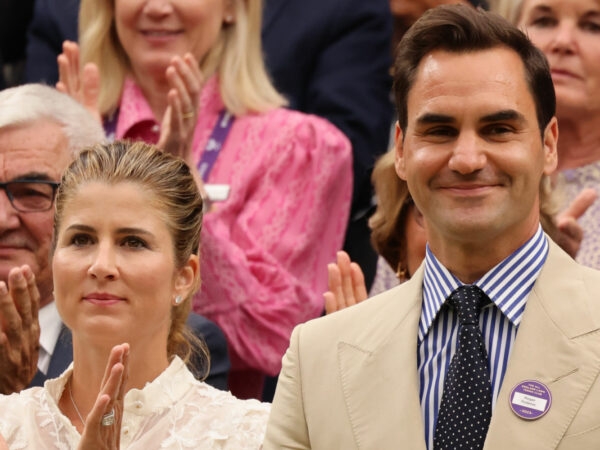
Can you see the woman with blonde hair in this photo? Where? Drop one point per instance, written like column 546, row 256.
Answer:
column 568, row 32
column 124, row 284
column 190, row 77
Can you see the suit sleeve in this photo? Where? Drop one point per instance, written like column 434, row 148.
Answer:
column 287, row 428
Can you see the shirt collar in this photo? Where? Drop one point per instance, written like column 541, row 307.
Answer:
column 50, row 324
column 507, row 284
column 134, row 108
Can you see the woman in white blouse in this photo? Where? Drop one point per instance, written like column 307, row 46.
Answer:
column 125, row 264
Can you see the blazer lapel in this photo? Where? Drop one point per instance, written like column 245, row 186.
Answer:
column 60, row 360
column 378, row 370
column 555, row 345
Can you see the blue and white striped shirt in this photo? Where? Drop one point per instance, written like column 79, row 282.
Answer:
column 507, row 285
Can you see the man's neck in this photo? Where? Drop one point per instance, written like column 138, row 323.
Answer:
column 470, row 259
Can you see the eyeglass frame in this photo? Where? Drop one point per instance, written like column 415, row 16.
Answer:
column 54, row 184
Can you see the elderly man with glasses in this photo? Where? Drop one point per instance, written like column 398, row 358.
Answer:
column 41, row 130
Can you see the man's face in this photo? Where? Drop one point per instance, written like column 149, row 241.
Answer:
column 37, row 150
column 472, row 154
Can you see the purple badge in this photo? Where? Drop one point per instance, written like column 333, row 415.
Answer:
column 530, row 399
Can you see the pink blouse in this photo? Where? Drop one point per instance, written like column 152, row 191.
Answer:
column 264, row 250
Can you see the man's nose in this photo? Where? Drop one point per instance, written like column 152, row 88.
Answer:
column 468, row 154
column 9, row 216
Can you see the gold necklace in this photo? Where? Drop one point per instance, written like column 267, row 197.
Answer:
column 73, row 401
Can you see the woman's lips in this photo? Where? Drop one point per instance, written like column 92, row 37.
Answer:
column 160, row 36
column 561, row 73
column 102, row 299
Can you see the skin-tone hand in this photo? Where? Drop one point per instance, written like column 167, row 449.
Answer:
column 346, row 284
column 566, row 221
column 96, row 436
column 19, row 330
column 82, row 85
column 3, row 444
column 179, row 122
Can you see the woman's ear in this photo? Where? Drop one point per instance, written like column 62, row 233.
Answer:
column 229, row 13
column 187, row 277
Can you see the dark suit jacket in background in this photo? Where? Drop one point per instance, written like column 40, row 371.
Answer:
column 200, row 326
column 332, row 58
column 53, row 22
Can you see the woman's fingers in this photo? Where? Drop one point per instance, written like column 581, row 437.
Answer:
column 68, row 69
column 81, row 84
column 343, row 262
column 90, row 89
column 346, row 283
column 330, row 302
column 359, row 286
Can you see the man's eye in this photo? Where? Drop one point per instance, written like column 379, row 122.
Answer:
column 441, row 131
column 498, row 130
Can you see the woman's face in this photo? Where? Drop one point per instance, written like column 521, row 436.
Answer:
column 153, row 31
column 568, row 32
column 114, row 270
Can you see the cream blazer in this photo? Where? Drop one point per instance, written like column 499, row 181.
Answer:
column 349, row 380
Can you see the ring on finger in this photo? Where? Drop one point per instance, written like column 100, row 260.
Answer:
column 108, row 419
column 187, row 115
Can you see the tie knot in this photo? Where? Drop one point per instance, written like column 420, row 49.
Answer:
column 468, row 301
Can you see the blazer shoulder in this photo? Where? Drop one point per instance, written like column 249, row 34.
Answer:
column 368, row 323
column 568, row 292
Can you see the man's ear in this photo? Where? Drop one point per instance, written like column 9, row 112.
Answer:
column 550, row 143
column 399, row 149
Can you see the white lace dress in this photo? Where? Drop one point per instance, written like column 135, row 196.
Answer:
column 175, row 411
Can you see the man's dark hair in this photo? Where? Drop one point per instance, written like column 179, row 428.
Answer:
column 463, row 29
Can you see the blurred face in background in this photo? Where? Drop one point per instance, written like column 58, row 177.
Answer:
column 153, row 31
column 568, row 32
column 406, row 12
column 33, row 151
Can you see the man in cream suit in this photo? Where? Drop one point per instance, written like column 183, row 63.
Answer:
column 476, row 138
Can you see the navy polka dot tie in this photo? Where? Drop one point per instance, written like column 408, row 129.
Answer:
column 466, row 409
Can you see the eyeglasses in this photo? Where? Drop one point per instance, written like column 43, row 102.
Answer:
column 30, row 195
